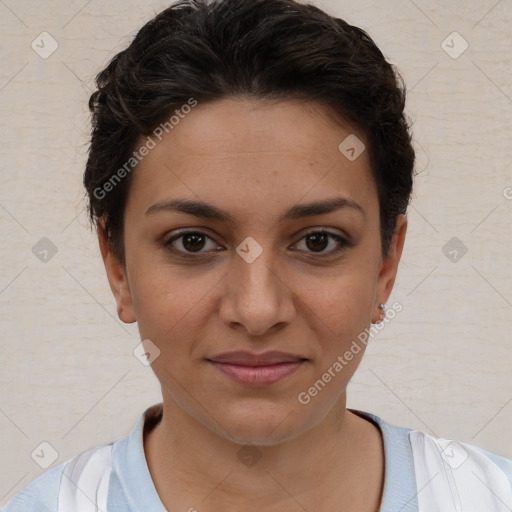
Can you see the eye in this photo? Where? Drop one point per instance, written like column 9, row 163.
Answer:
column 317, row 241
column 196, row 242
column 190, row 241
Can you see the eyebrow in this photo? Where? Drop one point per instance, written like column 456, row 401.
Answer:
column 204, row 210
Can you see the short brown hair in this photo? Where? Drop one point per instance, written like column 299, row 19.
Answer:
column 264, row 49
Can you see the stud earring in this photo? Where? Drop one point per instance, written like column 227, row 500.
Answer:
column 382, row 308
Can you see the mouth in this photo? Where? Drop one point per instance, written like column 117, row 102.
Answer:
column 257, row 370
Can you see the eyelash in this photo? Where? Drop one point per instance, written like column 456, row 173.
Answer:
column 343, row 243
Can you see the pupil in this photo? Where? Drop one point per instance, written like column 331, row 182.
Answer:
column 193, row 239
column 320, row 239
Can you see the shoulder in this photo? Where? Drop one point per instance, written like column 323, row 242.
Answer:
column 457, row 454
column 468, row 475
column 503, row 463
column 83, row 481
column 59, row 485
column 40, row 495
column 426, row 449
column 441, row 474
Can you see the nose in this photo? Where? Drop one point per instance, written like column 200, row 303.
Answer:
column 256, row 297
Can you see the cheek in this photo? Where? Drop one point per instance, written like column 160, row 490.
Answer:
column 165, row 307
column 341, row 301
column 171, row 304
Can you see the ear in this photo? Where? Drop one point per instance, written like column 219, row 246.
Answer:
column 117, row 279
column 387, row 274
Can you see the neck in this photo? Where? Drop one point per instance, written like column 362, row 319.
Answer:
column 188, row 460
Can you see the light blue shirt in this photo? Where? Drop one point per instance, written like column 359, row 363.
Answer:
column 131, row 489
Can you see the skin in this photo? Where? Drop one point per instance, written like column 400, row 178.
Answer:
column 255, row 160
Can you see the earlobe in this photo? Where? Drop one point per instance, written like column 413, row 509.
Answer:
column 390, row 263
column 116, row 274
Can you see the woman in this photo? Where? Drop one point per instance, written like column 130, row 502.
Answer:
column 249, row 173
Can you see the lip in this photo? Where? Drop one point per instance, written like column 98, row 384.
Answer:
column 244, row 358
column 257, row 370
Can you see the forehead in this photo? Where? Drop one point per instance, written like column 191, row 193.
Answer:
column 246, row 126
column 277, row 151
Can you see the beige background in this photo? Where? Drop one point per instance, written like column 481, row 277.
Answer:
column 68, row 376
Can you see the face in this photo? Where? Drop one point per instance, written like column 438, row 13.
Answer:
column 248, row 230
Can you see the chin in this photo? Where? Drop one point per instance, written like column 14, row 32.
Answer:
column 263, row 426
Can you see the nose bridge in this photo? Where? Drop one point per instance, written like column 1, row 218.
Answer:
column 257, row 298
column 254, row 269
